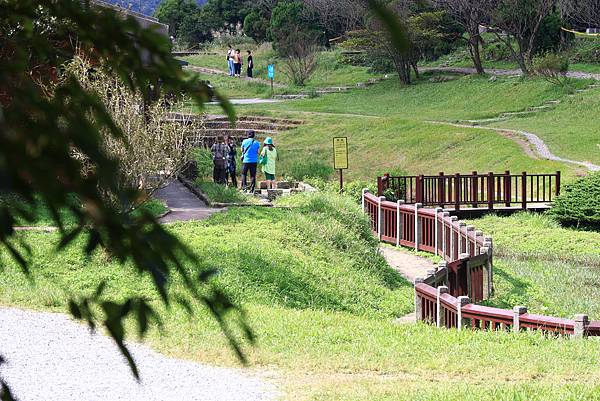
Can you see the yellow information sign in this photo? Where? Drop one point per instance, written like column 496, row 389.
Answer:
column 340, row 153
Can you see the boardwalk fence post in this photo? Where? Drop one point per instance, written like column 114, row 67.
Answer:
column 490, row 190
column 457, row 194
column 557, row 183
column 398, row 222
column 471, row 229
column 453, row 246
column 417, row 226
column 464, row 256
column 477, row 235
column 461, row 302
column 444, row 266
column 487, row 285
column 474, row 189
column 581, row 325
column 380, row 219
column 379, row 186
column 364, row 191
column 507, row 190
column 461, row 225
column 524, row 190
column 445, row 217
column 517, row 312
column 440, row 321
column 442, row 189
column 418, row 302
column 438, row 210
column 487, row 243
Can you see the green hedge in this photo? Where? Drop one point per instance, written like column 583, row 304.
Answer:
column 579, row 203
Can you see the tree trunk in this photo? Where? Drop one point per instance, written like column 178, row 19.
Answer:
column 475, row 53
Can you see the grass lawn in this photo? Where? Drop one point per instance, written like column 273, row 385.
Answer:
column 321, row 302
column 217, row 193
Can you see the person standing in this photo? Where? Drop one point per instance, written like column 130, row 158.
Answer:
column 230, row 63
column 250, row 148
column 220, row 153
column 231, row 162
column 268, row 161
column 238, row 63
column 250, row 64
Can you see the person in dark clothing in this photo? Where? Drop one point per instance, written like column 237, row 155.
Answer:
column 250, row 148
column 231, row 162
column 220, row 153
column 250, row 64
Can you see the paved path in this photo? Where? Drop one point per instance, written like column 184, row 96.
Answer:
column 50, row 358
column 184, row 205
column 409, row 265
column 248, row 101
column 504, row 72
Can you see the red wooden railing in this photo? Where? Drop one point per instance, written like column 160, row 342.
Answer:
column 467, row 252
column 472, row 190
column 437, row 306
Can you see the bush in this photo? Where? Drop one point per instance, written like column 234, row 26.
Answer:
column 585, row 51
column 553, row 67
column 217, row 193
column 204, row 162
column 309, row 168
column 579, row 203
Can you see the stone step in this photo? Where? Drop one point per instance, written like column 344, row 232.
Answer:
column 518, row 113
column 237, row 132
column 538, row 108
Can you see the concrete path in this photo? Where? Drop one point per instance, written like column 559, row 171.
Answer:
column 248, row 101
column 184, row 205
column 409, row 265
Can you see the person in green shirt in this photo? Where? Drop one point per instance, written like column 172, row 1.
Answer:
column 268, row 161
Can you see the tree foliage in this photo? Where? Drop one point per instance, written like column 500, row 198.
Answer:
column 38, row 133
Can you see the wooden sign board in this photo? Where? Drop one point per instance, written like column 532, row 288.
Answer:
column 340, row 153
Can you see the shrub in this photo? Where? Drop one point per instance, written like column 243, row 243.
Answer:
column 204, row 162
column 309, row 168
column 218, row 193
column 585, row 50
column 579, row 203
column 553, row 67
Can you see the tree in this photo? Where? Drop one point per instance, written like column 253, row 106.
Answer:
column 175, row 12
column 256, row 26
column 225, row 14
column 39, row 132
column 299, row 52
column 195, row 28
column 521, row 21
column 469, row 14
column 335, row 17
column 584, row 12
column 152, row 151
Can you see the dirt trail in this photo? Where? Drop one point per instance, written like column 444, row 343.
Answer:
column 505, row 72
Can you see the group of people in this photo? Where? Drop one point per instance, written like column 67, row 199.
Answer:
column 235, row 60
column 224, row 155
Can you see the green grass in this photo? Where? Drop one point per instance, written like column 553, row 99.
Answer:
column 550, row 269
column 321, row 302
column 217, row 193
column 570, row 129
column 330, row 71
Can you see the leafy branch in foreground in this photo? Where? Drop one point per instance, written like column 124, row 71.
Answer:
column 38, row 134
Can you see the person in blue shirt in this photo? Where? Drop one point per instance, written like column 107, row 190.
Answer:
column 250, row 148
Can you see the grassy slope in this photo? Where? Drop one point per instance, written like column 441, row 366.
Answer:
column 389, row 131
column 570, row 129
column 321, row 303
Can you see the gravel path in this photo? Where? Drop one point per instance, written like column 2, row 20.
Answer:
column 539, row 145
column 50, row 357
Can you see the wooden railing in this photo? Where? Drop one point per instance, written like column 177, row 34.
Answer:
column 472, row 190
column 437, row 306
column 467, row 269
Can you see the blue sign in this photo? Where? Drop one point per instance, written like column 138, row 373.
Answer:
column 271, row 71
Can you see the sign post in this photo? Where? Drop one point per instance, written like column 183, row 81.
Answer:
column 340, row 157
column 271, row 74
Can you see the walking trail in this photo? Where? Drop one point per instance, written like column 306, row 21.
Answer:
column 50, row 357
column 410, row 266
column 505, row 72
column 184, row 205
